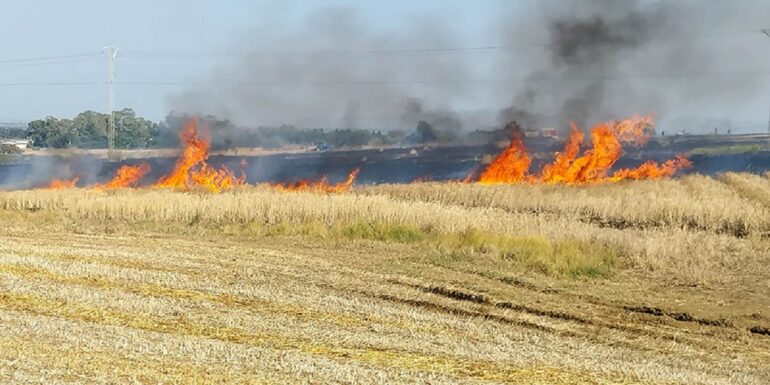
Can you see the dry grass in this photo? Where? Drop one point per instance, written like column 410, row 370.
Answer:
column 645, row 282
column 691, row 203
column 695, row 229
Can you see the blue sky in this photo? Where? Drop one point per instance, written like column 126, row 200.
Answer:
column 40, row 28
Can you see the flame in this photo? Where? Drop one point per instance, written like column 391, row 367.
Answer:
column 61, row 184
column 652, row 170
column 320, row 186
column 607, row 139
column 126, row 176
column 512, row 165
column 554, row 173
column 635, row 130
column 191, row 169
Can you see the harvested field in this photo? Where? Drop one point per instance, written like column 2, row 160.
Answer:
column 437, row 283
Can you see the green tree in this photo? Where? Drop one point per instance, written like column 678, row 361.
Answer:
column 133, row 131
column 90, row 130
column 13, row 132
column 50, row 132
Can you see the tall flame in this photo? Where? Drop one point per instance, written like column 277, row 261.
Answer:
column 126, row 176
column 555, row 173
column 512, row 165
column 594, row 165
column 191, row 169
column 320, row 186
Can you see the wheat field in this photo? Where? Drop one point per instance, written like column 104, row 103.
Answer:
column 649, row 282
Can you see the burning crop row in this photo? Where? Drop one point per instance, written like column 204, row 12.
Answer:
column 322, row 185
column 594, row 165
column 192, row 171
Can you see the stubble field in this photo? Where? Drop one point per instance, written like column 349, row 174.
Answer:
column 437, row 283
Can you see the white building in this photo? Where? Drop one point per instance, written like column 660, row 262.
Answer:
column 20, row 143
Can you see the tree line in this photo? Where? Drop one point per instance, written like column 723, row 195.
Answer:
column 89, row 130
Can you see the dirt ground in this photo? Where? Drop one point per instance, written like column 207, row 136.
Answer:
column 85, row 305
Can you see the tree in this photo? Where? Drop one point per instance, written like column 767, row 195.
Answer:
column 90, row 130
column 396, row 136
column 12, row 133
column 50, row 132
column 133, row 131
column 426, row 133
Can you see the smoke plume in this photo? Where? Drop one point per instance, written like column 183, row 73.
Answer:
column 558, row 61
column 336, row 71
column 604, row 59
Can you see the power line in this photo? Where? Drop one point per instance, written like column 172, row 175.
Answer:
column 449, row 81
column 49, row 58
column 55, row 59
column 52, row 62
column 196, row 54
column 52, row 83
column 144, row 54
column 364, row 82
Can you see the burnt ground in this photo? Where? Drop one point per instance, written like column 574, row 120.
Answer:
column 388, row 165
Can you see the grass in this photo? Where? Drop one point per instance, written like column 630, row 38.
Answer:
column 730, row 149
column 695, row 229
column 554, row 258
column 644, row 282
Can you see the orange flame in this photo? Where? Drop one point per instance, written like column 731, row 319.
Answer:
column 512, row 165
column 554, row 173
column 652, row 170
column 320, row 186
column 607, row 140
column 192, row 170
column 61, row 184
column 126, row 176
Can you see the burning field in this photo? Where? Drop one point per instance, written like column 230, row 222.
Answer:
column 557, row 273
column 593, row 166
column 577, row 164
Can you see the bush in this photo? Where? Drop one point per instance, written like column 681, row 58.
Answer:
column 9, row 149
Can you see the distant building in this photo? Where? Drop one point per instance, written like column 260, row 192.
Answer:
column 20, row 143
column 542, row 133
column 550, row 133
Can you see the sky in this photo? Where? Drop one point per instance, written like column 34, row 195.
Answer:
column 64, row 87
column 39, row 28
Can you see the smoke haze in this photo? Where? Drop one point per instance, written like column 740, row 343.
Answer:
column 560, row 61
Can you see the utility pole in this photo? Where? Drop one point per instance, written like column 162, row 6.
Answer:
column 766, row 31
column 112, row 53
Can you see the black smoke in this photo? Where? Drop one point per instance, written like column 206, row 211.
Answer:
column 604, row 59
column 560, row 61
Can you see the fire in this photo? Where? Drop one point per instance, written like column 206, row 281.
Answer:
column 191, row 169
column 126, row 176
column 554, row 173
column 320, row 186
column 512, row 165
column 651, row 170
column 569, row 167
column 61, row 184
